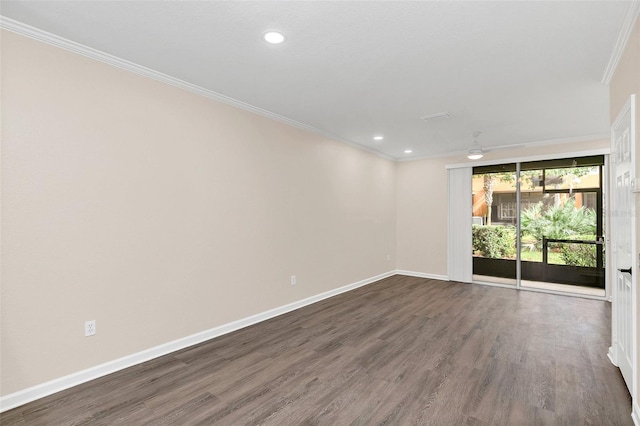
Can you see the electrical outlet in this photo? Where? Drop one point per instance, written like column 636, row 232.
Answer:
column 388, row 257
column 90, row 328
column 293, row 280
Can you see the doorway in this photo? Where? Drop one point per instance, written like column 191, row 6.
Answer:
column 540, row 225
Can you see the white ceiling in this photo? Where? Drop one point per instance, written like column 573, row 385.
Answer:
column 520, row 72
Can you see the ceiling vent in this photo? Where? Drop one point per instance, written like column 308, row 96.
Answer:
column 436, row 116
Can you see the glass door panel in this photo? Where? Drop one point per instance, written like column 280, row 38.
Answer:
column 561, row 229
column 495, row 213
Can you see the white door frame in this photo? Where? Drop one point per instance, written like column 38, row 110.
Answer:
column 613, row 354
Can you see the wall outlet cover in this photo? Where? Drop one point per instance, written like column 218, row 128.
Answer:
column 90, row 328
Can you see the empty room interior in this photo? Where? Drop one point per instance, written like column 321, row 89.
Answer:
column 311, row 212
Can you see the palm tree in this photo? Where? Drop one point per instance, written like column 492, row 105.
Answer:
column 489, row 180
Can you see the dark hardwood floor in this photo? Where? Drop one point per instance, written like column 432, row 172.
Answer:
column 400, row 351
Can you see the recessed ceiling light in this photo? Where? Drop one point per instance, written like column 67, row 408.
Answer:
column 408, row 151
column 274, row 37
column 378, row 138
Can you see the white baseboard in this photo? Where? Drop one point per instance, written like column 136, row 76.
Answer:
column 635, row 414
column 22, row 397
column 422, row 275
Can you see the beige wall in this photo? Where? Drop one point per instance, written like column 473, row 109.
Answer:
column 422, row 194
column 626, row 81
column 160, row 213
column 421, row 199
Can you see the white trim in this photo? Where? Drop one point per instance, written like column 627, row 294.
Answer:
column 541, row 157
column 634, row 250
column 606, row 206
column 536, row 144
column 563, row 293
column 613, row 355
column 490, row 284
column 45, row 389
column 540, row 290
column 635, row 414
column 623, row 37
column 89, row 52
column 422, row 275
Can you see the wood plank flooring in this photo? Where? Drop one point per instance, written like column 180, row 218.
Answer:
column 400, row 351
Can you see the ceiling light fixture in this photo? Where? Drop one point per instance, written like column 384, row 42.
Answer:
column 408, row 151
column 475, row 152
column 378, row 138
column 273, row 37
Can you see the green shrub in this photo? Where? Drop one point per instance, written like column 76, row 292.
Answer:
column 558, row 221
column 494, row 241
column 579, row 254
column 567, row 221
column 533, row 223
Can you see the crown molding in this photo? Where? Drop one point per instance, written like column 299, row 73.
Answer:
column 463, row 153
column 623, row 36
column 71, row 46
column 89, row 52
column 541, row 157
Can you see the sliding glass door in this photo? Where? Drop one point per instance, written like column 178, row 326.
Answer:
column 540, row 225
